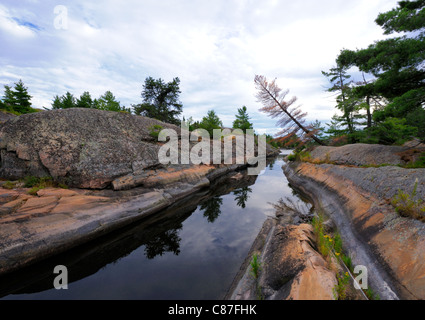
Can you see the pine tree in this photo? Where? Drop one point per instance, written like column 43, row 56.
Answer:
column 8, row 99
column 17, row 99
column 160, row 100
column 108, row 102
column 68, row 101
column 210, row 122
column 242, row 120
column 85, row 101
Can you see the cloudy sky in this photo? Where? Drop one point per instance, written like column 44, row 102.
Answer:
column 215, row 47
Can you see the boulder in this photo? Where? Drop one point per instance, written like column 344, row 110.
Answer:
column 84, row 148
column 88, row 149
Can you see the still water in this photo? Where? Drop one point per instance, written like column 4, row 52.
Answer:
column 190, row 251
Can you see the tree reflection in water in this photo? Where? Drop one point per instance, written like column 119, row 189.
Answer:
column 211, row 208
column 168, row 241
column 242, row 196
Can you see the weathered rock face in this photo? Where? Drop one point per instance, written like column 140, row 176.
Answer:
column 291, row 269
column 5, row 116
column 358, row 200
column 367, row 154
column 85, row 148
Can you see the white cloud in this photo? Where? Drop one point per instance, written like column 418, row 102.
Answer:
column 214, row 47
column 11, row 27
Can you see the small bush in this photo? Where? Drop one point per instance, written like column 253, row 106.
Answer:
column 348, row 262
column 420, row 163
column 391, row 131
column 371, row 295
column 340, row 290
column 30, row 182
column 9, row 185
column 36, row 184
column 33, row 191
column 255, row 266
column 299, row 155
column 407, row 206
column 155, row 130
column 292, row 157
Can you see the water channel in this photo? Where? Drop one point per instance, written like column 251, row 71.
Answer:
column 191, row 251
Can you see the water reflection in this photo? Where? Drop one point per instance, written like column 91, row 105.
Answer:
column 169, row 241
column 192, row 250
column 158, row 236
column 242, row 196
column 211, row 208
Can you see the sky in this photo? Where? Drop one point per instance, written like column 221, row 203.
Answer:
column 215, row 48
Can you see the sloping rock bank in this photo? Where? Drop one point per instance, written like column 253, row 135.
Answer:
column 33, row 228
column 290, row 267
column 358, row 199
column 111, row 162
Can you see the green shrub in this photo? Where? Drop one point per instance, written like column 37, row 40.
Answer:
column 292, row 157
column 44, row 182
column 299, row 155
column 407, row 206
column 30, row 182
column 9, row 185
column 255, row 266
column 340, row 290
column 391, row 131
column 155, row 130
column 348, row 262
column 33, row 191
column 420, row 163
column 371, row 295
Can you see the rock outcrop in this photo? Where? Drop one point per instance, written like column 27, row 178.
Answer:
column 109, row 159
column 291, row 269
column 348, row 184
column 289, row 265
column 368, row 154
column 5, row 116
column 87, row 148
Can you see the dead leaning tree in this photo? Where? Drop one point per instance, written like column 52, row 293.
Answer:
column 290, row 118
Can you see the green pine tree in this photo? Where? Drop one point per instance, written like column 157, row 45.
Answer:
column 242, row 120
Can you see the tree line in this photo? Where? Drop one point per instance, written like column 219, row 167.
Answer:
column 17, row 99
column 160, row 101
column 385, row 105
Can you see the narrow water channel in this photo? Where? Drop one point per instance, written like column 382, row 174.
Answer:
column 191, row 251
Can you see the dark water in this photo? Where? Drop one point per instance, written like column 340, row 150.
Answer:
column 190, row 251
